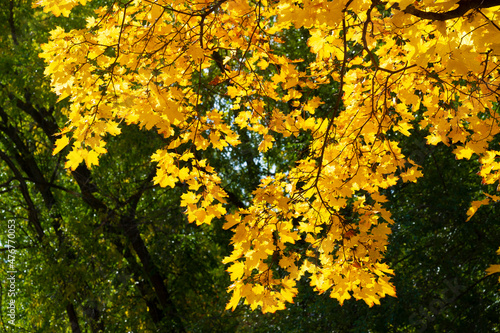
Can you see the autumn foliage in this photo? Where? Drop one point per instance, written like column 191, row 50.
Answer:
column 391, row 67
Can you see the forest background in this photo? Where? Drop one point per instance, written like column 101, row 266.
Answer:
column 100, row 242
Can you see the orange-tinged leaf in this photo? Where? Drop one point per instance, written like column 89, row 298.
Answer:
column 492, row 197
column 493, row 269
column 475, row 205
column 232, row 220
column 201, row 216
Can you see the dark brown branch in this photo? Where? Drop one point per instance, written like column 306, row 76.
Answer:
column 12, row 26
column 205, row 14
column 43, row 117
column 152, row 272
column 135, row 270
column 463, row 7
column 32, row 211
column 133, row 200
column 73, row 318
column 234, row 199
column 87, row 187
column 489, row 20
column 82, row 174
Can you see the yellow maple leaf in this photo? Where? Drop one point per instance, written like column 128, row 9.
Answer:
column 92, row 158
column 266, row 144
column 74, row 158
column 60, row 144
column 235, row 298
column 232, row 220
column 463, row 152
column 189, row 198
column 236, row 270
column 404, row 128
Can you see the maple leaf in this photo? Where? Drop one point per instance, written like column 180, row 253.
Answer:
column 60, row 144
column 463, row 152
column 74, row 159
column 493, row 269
column 475, row 206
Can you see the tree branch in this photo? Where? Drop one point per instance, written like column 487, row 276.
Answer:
column 32, row 211
column 463, row 7
column 11, row 22
column 151, row 271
